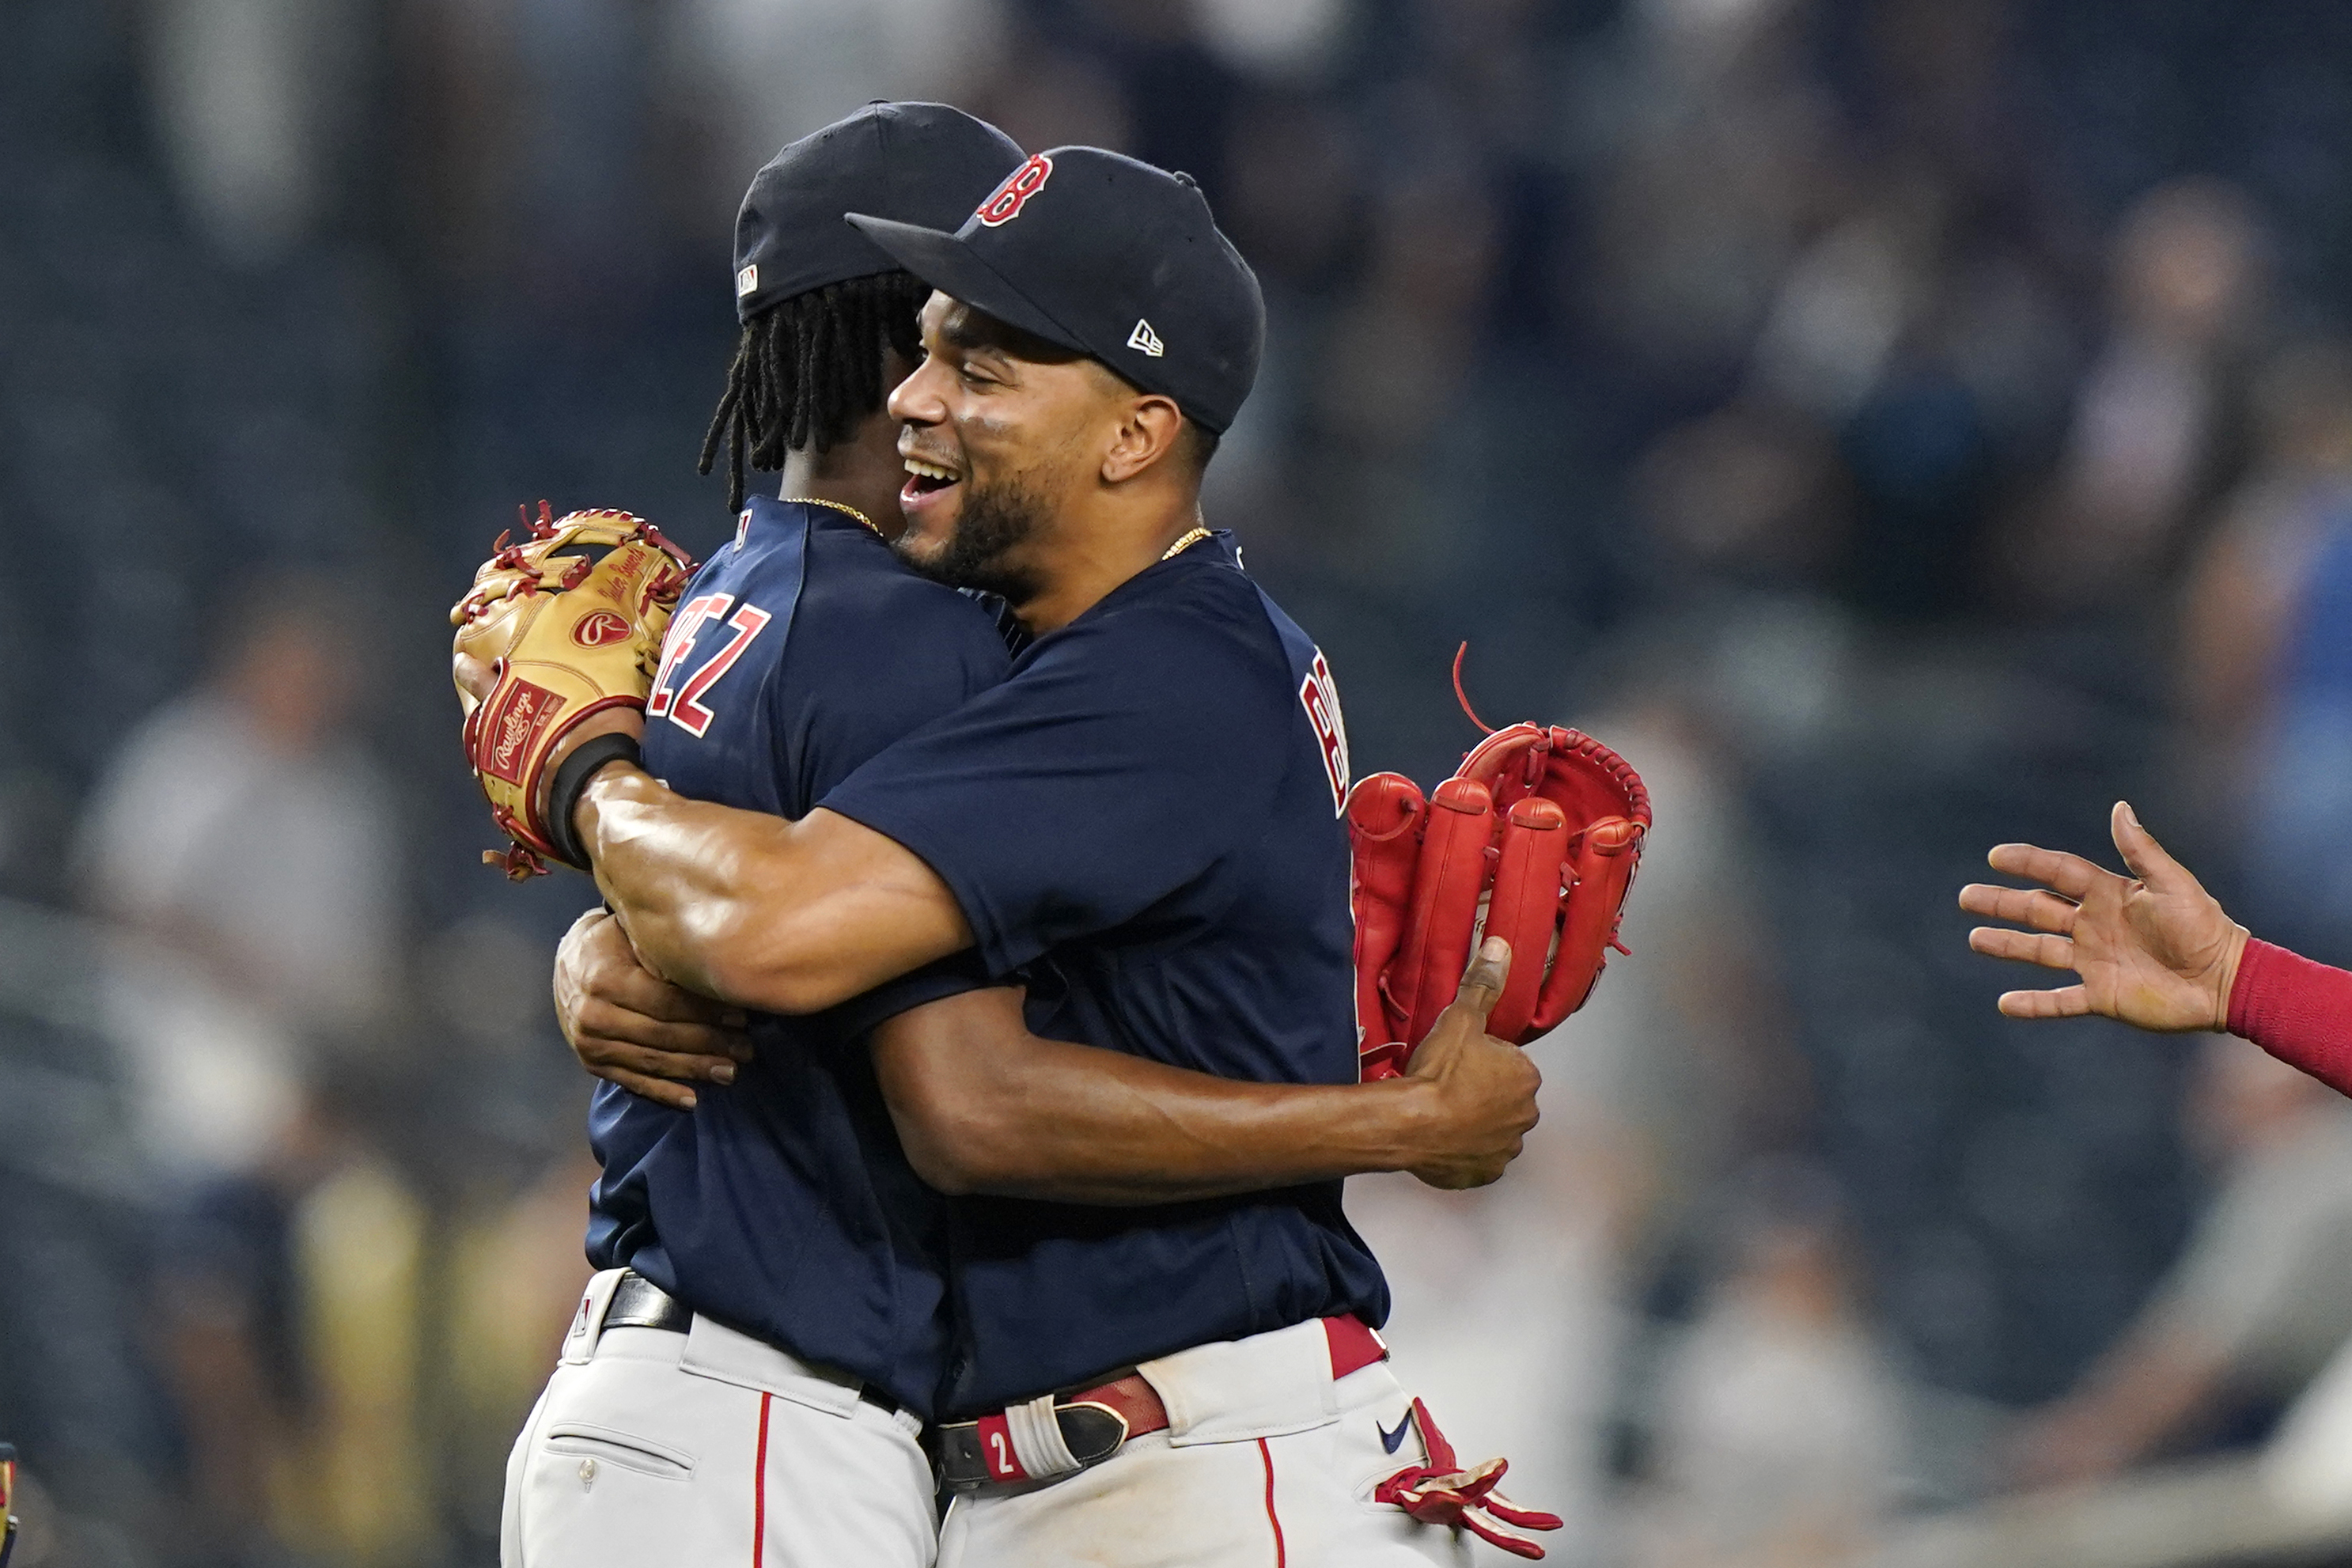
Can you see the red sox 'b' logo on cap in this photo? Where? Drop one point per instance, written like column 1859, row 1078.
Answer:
column 1024, row 182
column 599, row 627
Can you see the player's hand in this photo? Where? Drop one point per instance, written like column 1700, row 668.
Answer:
column 630, row 1028
column 1483, row 1090
column 2153, row 949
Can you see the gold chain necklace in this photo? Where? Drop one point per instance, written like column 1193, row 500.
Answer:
column 837, row 506
column 1185, row 543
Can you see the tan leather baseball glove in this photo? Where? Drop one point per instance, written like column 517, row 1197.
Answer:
column 569, row 623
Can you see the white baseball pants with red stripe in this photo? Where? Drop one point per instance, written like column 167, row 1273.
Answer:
column 708, row 1449
column 1268, row 1462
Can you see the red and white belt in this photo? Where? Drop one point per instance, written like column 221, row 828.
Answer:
column 1040, row 1442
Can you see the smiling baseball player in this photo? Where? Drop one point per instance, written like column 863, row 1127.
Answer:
column 1147, row 812
column 765, row 1337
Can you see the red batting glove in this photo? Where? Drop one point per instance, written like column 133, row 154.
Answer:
column 1442, row 1492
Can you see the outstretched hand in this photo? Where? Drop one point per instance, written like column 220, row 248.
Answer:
column 1485, row 1091
column 2153, row 950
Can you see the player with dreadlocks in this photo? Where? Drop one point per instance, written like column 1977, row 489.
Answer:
column 807, row 377
column 767, row 1332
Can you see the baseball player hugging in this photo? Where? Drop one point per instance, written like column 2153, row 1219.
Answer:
column 1028, row 1193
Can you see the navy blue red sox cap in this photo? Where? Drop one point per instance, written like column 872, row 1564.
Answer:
column 1109, row 258
column 918, row 162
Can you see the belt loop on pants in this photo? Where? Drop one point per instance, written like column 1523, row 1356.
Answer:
column 1053, row 1436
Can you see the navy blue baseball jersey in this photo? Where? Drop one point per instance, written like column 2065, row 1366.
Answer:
column 783, row 1205
column 1161, row 782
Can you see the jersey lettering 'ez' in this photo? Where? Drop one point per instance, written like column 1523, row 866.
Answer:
column 688, row 713
column 676, row 645
column 1320, row 695
column 684, row 706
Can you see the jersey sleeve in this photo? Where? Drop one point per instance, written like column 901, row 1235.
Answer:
column 2299, row 1011
column 861, row 681
column 1124, row 759
column 950, row 976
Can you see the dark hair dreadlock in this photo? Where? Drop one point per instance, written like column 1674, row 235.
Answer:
column 807, row 369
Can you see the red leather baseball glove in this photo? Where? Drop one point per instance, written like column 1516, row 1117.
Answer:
column 1535, row 839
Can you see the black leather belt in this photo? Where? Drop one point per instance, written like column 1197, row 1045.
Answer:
column 639, row 1303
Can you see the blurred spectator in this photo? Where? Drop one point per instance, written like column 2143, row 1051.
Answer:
column 1778, row 1430
column 290, row 1327
column 1277, row 38
column 1721, row 156
column 243, row 831
column 1048, row 94
column 2154, row 427
column 243, row 825
column 1685, row 1046
column 1395, row 366
column 1753, row 492
column 2267, row 655
column 254, row 99
column 2256, row 1305
column 761, row 73
column 1930, row 345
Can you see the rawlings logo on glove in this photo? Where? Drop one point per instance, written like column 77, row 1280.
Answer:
column 1535, row 839
column 567, row 623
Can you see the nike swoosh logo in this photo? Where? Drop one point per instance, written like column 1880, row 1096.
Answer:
column 1390, row 1440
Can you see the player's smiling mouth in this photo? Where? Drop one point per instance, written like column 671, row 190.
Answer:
column 925, row 480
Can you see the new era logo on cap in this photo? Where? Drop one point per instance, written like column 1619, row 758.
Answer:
column 1144, row 337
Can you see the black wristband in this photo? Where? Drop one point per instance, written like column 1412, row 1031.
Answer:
column 572, row 776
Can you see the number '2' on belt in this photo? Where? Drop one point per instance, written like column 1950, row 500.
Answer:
column 1056, row 1435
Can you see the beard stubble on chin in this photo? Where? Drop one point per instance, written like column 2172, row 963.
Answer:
column 992, row 524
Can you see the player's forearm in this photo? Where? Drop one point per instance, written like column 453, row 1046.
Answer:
column 686, row 880
column 1042, row 1119
column 1164, row 1135
column 740, row 906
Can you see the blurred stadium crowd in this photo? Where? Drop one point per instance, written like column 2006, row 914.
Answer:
column 1897, row 426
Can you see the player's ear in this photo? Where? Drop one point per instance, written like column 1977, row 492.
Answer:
column 1149, row 430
